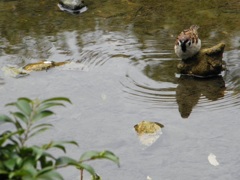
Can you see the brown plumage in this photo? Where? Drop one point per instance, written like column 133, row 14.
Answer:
column 188, row 43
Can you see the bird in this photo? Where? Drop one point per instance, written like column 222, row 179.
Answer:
column 188, row 43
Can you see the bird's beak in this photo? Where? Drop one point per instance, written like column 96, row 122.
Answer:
column 183, row 46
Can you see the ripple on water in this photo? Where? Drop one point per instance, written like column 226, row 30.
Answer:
column 152, row 83
column 93, row 59
column 185, row 93
column 229, row 100
column 100, row 46
column 140, row 89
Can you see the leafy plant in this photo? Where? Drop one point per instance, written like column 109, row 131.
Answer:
column 21, row 161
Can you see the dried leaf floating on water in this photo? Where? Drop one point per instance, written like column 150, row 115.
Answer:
column 148, row 132
column 25, row 70
column 43, row 65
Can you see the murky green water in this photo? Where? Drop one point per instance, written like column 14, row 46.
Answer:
column 124, row 72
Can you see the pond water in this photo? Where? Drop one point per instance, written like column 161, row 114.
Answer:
column 123, row 71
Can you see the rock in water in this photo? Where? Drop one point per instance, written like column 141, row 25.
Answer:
column 208, row 62
column 148, row 132
column 72, row 6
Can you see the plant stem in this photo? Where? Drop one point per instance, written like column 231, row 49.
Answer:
column 81, row 174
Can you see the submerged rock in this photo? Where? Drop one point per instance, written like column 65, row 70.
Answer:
column 147, row 127
column 207, row 62
column 72, row 6
column 148, row 132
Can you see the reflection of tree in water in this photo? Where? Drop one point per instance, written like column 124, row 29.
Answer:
column 189, row 91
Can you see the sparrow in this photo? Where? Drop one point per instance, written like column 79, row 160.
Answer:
column 187, row 43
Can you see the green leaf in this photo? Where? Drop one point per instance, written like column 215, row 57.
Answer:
column 66, row 161
column 15, row 140
column 10, row 164
column 47, row 105
column 19, row 161
column 46, row 160
column 36, row 132
column 69, row 142
column 89, row 169
column 8, row 134
column 29, row 167
column 110, row 156
column 42, row 125
column 23, row 104
column 57, row 99
column 5, row 119
column 27, row 172
column 20, row 115
column 41, row 115
column 11, row 104
column 45, row 170
column 25, row 99
column 38, row 152
column 39, row 128
column 96, row 177
column 58, row 145
column 25, row 175
column 3, row 171
column 91, row 155
column 49, row 175
column 54, row 145
column 48, row 156
column 18, row 124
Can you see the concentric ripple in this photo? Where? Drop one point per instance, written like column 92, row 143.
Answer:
column 156, row 87
column 141, row 89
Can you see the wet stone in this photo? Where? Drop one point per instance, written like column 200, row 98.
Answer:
column 208, row 62
column 148, row 132
column 146, row 127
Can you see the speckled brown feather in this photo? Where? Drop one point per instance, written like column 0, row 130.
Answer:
column 190, row 33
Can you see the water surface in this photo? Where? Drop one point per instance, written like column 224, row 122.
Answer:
column 123, row 72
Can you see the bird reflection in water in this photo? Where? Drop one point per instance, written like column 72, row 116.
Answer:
column 190, row 89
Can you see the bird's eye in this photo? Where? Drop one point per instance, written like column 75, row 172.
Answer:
column 189, row 43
